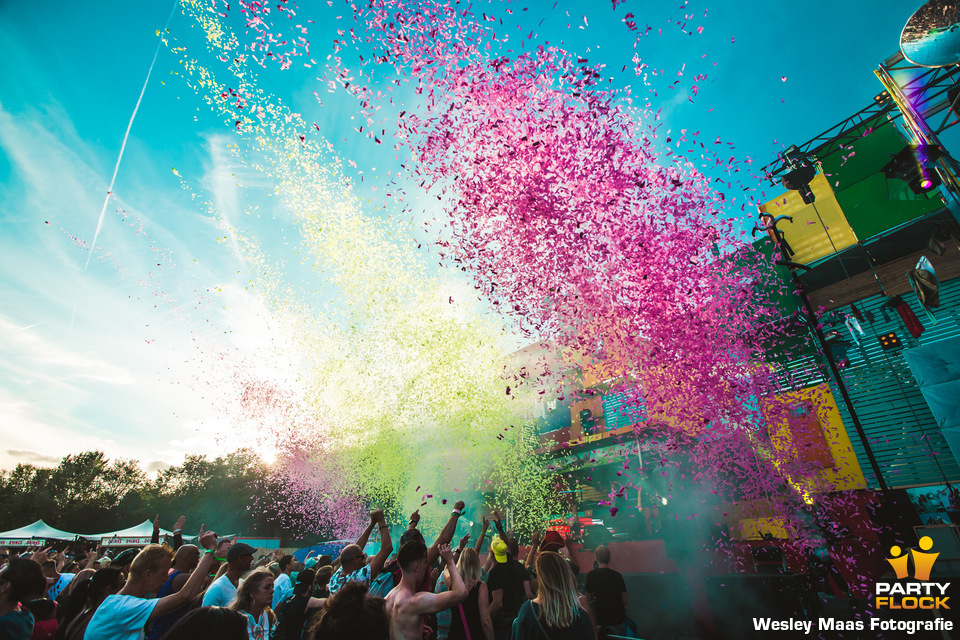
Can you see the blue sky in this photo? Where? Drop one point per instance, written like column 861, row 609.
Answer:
column 128, row 354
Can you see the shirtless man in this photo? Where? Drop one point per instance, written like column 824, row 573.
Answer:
column 405, row 605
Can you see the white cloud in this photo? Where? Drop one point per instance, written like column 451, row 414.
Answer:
column 41, row 435
column 54, row 361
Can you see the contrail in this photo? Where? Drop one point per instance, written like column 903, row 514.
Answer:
column 126, row 135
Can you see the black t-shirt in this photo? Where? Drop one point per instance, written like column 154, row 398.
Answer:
column 527, row 627
column 607, row 587
column 291, row 616
column 509, row 576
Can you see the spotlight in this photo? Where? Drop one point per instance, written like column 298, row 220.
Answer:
column 801, row 173
column 915, row 165
column 882, row 97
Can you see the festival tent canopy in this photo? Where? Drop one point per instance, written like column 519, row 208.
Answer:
column 142, row 530
column 39, row 530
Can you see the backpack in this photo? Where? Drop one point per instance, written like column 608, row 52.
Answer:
column 287, row 612
column 388, row 578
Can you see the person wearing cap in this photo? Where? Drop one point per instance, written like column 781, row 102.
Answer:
column 297, row 608
column 353, row 561
column 122, row 616
column 223, row 591
column 123, row 561
column 509, row 585
column 553, row 541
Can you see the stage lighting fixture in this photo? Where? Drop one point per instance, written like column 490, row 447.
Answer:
column 882, row 98
column 916, row 165
column 800, row 175
column 890, row 342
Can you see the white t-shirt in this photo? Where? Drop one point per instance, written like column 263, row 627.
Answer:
column 220, row 594
column 54, row 590
column 282, row 587
column 120, row 618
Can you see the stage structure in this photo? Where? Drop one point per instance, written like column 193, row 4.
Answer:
column 869, row 224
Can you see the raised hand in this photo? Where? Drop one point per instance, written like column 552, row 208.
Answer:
column 460, row 505
column 40, row 556
column 377, row 516
column 415, row 517
column 178, row 526
column 207, row 539
column 446, row 553
column 464, row 540
column 156, row 522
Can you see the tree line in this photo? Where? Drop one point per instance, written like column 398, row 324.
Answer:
column 88, row 493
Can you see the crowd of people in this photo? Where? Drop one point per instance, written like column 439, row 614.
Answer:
column 214, row 589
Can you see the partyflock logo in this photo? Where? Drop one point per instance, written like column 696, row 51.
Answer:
column 923, row 594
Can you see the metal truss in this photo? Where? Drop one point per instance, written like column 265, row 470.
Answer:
column 927, row 90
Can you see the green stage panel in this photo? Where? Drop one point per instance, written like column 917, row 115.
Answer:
column 864, row 157
column 871, row 202
column 876, row 204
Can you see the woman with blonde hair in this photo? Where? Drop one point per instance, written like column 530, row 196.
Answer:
column 556, row 613
column 470, row 620
column 254, row 598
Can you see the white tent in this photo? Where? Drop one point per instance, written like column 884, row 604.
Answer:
column 131, row 536
column 34, row 533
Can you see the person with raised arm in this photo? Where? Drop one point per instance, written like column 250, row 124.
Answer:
column 406, row 605
column 185, row 560
column 353, row 561
column 444, row 617
column 123, row 616
column 483, row 533
column 223, row 591
column 446, row 534
column 552, row 541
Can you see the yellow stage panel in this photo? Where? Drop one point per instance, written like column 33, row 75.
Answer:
column 810, row 234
